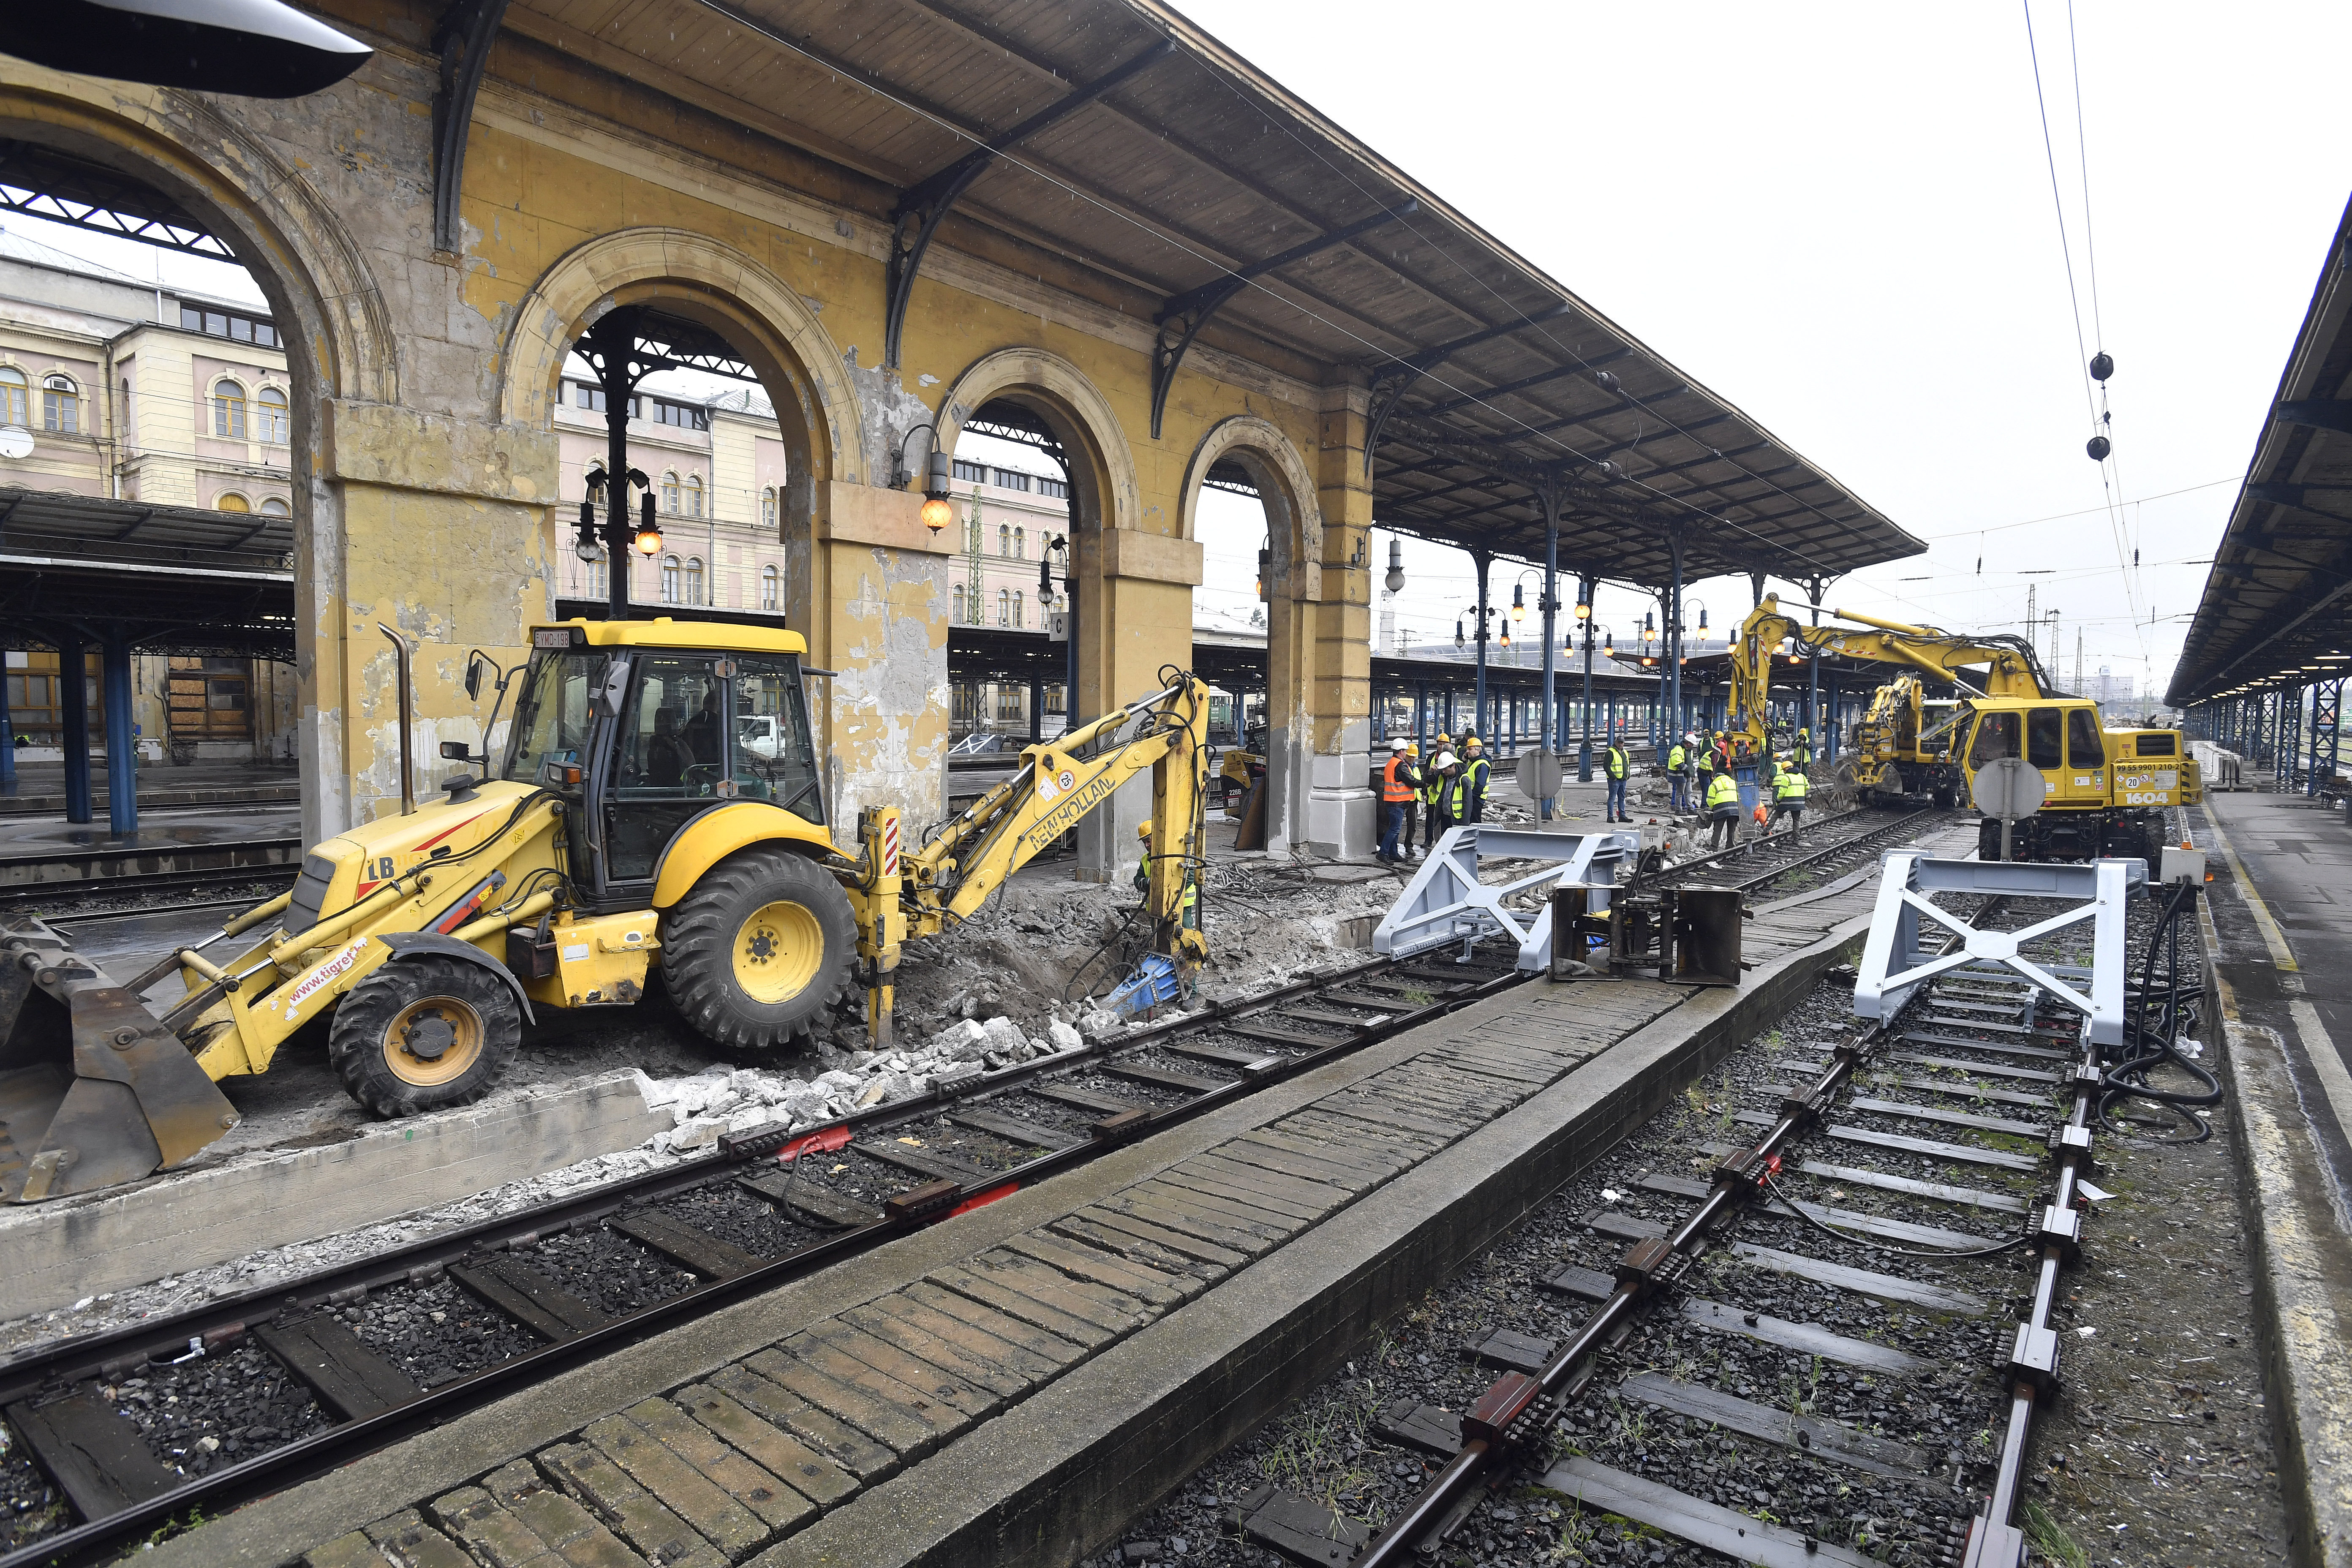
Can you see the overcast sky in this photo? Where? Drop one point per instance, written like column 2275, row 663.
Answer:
column 1840, row 219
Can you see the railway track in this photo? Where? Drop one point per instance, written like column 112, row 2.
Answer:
column 1767, row 1336
column 1758, row 861
column 248, row 1394
column 60, row 882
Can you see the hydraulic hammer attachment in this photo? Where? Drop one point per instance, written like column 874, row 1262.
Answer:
column 93, row 1089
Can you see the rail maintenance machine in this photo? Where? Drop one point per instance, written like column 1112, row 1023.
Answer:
column 658, row 794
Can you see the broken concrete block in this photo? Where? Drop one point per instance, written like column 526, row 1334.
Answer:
column 1063, row 1037
column 1004, row 1036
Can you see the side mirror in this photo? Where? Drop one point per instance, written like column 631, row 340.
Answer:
column 473, row 684
column 456, row 752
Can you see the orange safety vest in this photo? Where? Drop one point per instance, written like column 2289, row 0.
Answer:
column 1394, row 791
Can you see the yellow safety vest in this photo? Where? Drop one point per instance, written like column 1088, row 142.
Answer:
column 1722, row 790
column 1458, row 805
column 1792, row 785
column 1616, row 762
column 1675, row 758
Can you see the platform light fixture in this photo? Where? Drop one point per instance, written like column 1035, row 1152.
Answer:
column 1395, row 579
column 650, row 539
column 1459, row 639
column 1518, row 607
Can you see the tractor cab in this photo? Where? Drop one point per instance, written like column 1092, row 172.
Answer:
column 646, row 726
column 2107, row 789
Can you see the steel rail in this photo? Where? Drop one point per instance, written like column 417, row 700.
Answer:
column 222, row 1323
column 1508, row 1417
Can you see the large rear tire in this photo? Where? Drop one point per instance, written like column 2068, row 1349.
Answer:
column 759, row 950
column 424, row 1033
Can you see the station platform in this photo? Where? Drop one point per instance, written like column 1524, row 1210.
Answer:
column 1012, row 1385
column 2278, row 945
column 39, row 788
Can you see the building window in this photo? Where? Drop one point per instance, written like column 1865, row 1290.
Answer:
column 1017, row 624
column 1054, row 699
column 1021, row 544
column 232, row 501
column 694, row 579
column 1011, row 700
column 976, row 472
column 1012, row 480
column 596, row 579
column 61, row 406
column 228, row 410
column 684, row 416
column 694, row 495
column 670, row 494
column 593, row 398
column 1004, row 539
column 230, row 325
column 771, row 589
column 269, row 417
column 957, row 613
column 12, row 396
column 1004, row 606
column 768, row 507
column 275, row 506
column 1060, row 487
column 670, row 579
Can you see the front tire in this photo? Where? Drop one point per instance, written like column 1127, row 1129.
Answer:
column 761, row 950
column 424, row 1033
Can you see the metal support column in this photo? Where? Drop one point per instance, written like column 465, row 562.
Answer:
column 2326, row 707
column 1037, row 705
column 73, row 711
column 1674, row 633
column 2290, row 737
column 7, row 734
column 122, row 745
column 1478, row 702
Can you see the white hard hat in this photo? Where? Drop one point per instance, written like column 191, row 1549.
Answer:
column 1398, row 744
column 1442, row 760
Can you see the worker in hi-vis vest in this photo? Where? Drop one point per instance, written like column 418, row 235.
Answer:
column 1723, row 807
column 1397, row 789
column 1788, row 798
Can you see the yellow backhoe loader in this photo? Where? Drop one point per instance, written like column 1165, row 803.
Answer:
column 658, row 797
column 2106, row 788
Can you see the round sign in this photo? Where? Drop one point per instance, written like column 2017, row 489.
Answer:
column 2010, row 787
column 15, row 441
column 1540, row 773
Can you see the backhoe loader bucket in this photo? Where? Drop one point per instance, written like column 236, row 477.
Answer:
column 93, row 1089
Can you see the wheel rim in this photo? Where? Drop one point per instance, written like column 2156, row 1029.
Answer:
column 434, row 1041
column 778, row 951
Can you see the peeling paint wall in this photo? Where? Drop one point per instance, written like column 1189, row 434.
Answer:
column 425, row 468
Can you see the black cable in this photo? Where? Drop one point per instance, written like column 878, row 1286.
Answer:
column 2008, row 1246
column 2158, row 1044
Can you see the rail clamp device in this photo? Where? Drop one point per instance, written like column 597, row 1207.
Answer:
column 1894, row 964
column 1446, row 902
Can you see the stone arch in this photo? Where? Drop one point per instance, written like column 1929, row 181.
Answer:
column 1275, row 467
column 336, row 335
column 1103, row 481
column 712, row 283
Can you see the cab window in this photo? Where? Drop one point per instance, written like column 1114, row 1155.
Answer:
column 1996, row 738
column 2042, row 727
column 668, row 760
column 2085, row 747
column 773, row 759
column 552, row 715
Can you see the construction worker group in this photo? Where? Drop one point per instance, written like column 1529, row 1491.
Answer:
column 1702, row 774
column 1447, row 790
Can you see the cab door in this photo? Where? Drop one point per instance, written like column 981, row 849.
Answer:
column 668, row 763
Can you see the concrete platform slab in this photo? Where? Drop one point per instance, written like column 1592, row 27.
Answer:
column 39, row 787
column 2279, row 965
column 1012, row 1385
column 60, row 1252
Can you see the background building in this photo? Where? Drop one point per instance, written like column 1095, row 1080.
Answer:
column 117, row 388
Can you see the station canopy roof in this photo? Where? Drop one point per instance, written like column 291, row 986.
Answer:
column 173, row 579
column 1114, row 148
column 2277, row 609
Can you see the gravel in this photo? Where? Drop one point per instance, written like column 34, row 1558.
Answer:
column 2132, row 1470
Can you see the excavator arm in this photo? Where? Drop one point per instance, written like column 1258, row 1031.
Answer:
column 1060, row 783
column 1981, row 668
